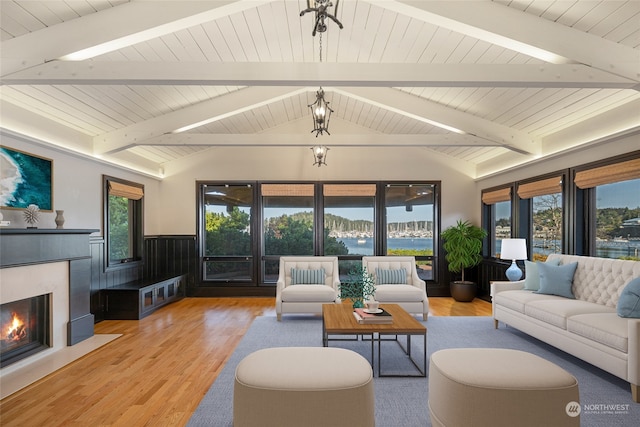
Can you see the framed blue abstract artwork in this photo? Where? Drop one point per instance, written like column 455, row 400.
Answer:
column 25, row 179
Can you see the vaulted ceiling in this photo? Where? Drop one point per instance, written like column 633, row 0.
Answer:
column 490, row 84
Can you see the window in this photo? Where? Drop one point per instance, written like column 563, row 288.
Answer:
column 123, row 201
column 497, row 213
column 547, row 215
column 614, row 189
column 288, row 223
column 618, row 220
column 349, row 219
column 349, row 223
column 228, row 245
column 409, row 221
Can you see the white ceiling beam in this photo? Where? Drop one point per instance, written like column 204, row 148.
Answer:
column 112, row 29
column 416, row 107
column 309, row 74
column 207, row 111
column 294, row 140
column 516, row 30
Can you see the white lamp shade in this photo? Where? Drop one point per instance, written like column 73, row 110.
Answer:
column 513, row 249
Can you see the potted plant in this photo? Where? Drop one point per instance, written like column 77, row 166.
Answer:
column 463, row 243
column 359, row 286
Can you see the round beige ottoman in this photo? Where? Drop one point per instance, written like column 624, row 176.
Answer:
column 500, row 387
column 303, row 386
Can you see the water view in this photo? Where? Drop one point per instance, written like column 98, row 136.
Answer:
column 364, row 246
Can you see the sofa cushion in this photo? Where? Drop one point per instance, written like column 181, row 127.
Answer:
column 557, row 280
column 606, row 328
column 600, row 280
column 398, row 293
column 308, row 293
column 557, row 311
column 301, row 276
column 629, row 302
column 391, row 276
column 517, row 299
column 532, row 278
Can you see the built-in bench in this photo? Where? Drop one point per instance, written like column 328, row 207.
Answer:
column 139, row 298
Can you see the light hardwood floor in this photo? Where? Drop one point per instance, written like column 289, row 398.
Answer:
column 159, row 370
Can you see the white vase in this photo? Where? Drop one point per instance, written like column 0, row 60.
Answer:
column 59, row 219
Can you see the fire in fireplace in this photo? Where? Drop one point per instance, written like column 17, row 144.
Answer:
column 24, row 328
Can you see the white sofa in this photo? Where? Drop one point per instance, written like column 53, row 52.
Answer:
column 412, row 295
column 588, row 326
column 306, row 298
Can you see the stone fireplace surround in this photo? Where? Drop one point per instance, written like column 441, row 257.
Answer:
column 57, row 262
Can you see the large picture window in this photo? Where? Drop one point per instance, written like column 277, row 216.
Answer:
column 244, row 228
column 123, row 201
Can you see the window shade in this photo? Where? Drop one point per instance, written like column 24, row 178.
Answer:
column 124, row 190
column 609, row 174
column 496, row 196
column 291, row 190
column 356, row 190
column 540, row 188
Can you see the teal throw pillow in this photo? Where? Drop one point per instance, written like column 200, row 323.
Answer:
column 532, row 278
column 307, row 277
column 391, row 277
column 556, row 280
column 629, row 302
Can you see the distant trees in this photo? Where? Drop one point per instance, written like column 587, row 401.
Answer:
column 229, row 234
column 547, row 221
column 609, row 220
column 118, row 228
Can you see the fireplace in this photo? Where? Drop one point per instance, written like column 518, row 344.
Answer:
column 25, row 328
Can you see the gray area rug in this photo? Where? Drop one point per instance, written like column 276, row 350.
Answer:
column 605, row 399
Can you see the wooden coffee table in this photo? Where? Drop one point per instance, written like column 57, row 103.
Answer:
column 338, row 319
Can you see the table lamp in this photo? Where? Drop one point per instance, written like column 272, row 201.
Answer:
column 514, row 249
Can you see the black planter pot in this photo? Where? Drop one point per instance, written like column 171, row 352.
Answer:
column 463, row 291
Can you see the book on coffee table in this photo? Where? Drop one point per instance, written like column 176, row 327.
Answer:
column 380, row 317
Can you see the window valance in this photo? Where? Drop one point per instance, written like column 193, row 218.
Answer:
column 351, row 190
column 496, row 196
column 291, row 190
column 124, row 190
column 608, row 174
column 540, row 188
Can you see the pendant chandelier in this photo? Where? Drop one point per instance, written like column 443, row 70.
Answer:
column 320, row 113
column 320, row 155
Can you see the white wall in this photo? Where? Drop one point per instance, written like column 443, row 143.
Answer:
column 77, row 188
column 593, row 153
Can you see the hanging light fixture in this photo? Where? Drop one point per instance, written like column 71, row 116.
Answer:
column 320, row 110
column 320, row 155
column 321, row 113
column 321, row 9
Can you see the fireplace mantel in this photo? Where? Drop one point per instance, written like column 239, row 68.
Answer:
column 25, row 247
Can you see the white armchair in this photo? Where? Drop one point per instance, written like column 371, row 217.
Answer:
column 306, row 297
column 409, row 292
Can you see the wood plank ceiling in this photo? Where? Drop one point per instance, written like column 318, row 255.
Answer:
column 487, row 82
